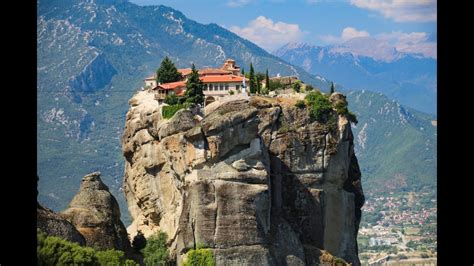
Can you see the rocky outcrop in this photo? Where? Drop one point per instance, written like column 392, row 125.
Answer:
column 53, row 224
column 96, row 215
column 257, row 181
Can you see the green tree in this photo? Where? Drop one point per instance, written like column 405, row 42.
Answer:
column 156, row 251
column 139, row 241
column 252, row 85
column 258, row 85
column 332, row 87
column 200, row 257
column 297, row 86
column 53, row 250
column 259, row 77
column 167, row 72
column 267, row 81
column 171, row 98
column 275, row 85
column 309, row 88
column 194, row 86
column 243, row 72
column 321, row 107
column 110, row 257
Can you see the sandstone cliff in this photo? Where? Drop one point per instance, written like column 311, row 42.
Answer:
column 257, row 181
column 96, row 215
column 53, row 224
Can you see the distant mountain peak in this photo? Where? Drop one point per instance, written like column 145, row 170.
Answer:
column 370, row 63
column 379, row 50
column 370, row 47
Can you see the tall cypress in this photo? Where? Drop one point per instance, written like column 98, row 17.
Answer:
column 257, row 82
column 194, row 86
column 332, row 87
column 167, row 72
column 267, row 81
column 252, row 83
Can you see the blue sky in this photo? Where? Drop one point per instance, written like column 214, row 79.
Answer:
column 408, row 25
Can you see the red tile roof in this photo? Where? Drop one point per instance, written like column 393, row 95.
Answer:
column 222, row 79
column 184, row 71
column 172, row 85
column 213, row 71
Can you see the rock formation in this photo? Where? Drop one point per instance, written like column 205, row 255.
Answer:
column 53, row 224
column 96, row 215
column 257, row 181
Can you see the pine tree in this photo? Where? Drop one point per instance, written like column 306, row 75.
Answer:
column 194, row 86
column 252, row 84
column 243, row 72
column 167, row 72
column 267, row 81
column 332, row 87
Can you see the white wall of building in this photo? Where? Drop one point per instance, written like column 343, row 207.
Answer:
column 221, row 89
column 151, row 83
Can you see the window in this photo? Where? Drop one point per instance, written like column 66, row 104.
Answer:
column 221, row 87
column 237, row 87
column 226, row 86
column 210, row 87
column 205, row 87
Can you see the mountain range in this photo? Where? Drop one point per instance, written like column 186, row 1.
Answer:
column 371, row 64
column 93, row 56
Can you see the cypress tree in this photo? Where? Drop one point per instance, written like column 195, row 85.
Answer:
column 194, row 86
column 332, row 87
column 243, row 72
column 252, row 85
column 259, row 86
column 267, row 81
column 167, row 72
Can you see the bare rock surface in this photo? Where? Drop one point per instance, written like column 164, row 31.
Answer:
column 256, row 180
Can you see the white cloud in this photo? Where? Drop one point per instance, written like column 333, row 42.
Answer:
column 346, row 34
column 350, row 33
column 268, row 34
column 402, row 10
column 414, row 42
column 237, row 3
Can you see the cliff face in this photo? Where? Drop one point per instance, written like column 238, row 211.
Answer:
column 257, row 181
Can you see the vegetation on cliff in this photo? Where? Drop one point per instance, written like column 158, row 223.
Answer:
column 193, row 95
column 194, row 87
column 170, row 110
column 53, row 250
column 200, row 257
column 319, row 104
column 156, row 250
